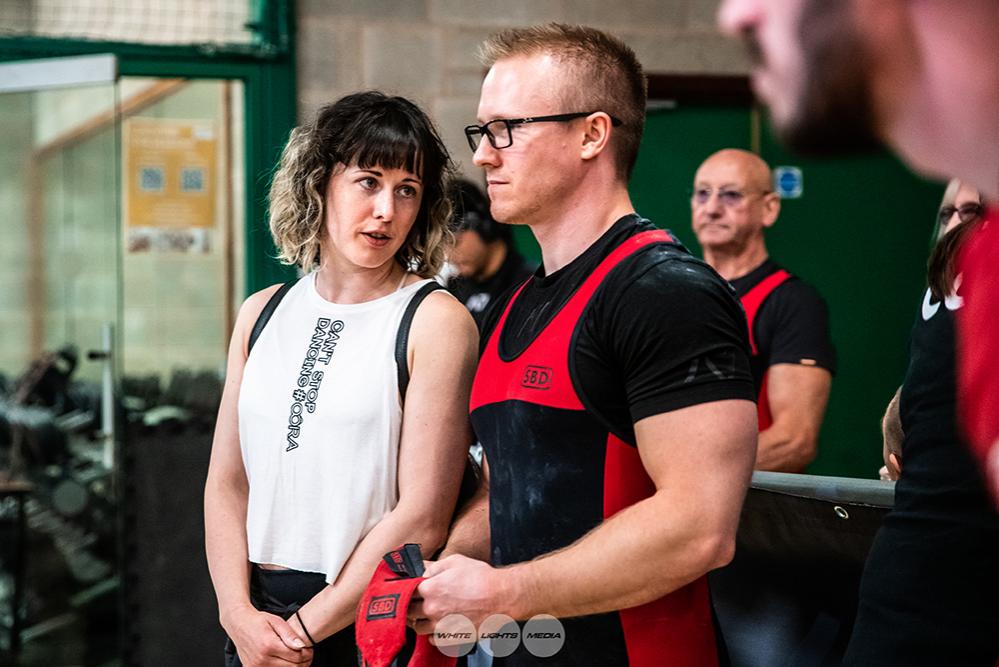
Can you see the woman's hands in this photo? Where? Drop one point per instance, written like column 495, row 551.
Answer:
column 266, row 640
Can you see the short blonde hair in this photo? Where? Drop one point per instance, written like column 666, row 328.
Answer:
column 603, row 74
column 367, row 129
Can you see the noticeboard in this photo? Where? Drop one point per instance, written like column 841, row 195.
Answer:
column 170, row 172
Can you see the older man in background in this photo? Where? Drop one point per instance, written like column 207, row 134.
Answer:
column 793, row 358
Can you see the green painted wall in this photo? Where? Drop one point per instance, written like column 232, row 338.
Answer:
column 860, row 235
column 676, row 141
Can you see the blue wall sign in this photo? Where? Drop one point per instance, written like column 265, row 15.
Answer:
column 788, row 182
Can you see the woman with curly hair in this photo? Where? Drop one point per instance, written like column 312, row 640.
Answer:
column 316, row 469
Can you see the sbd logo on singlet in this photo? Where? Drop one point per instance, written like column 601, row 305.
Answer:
column 537, row 377
column 382, row 606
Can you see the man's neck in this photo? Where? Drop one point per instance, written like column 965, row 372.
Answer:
column 565, row 236
column 732, row 265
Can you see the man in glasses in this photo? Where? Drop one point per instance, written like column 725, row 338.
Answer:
column 613, row 397
column 792, row 355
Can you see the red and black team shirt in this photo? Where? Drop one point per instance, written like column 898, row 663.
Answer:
column 633, row 327
column 788, row 324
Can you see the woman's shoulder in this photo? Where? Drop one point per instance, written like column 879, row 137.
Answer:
column 441, row 304
column 250, row 311
column 441, row 317
column 258, row 300
column 443, row 339
column 254, row 304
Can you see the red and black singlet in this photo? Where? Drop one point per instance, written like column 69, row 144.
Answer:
column 751, row 301
column 555, row 417
column 788, row 323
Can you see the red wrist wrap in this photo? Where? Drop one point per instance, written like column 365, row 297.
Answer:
column 381, row 620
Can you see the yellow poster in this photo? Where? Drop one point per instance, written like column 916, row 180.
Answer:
column 170, row 170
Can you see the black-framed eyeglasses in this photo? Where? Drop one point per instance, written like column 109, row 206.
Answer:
column 966, row 213
column 728, row 198
column 499, row 131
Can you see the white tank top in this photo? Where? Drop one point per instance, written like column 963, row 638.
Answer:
column 319, row 424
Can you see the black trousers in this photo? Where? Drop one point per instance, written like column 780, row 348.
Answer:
column 282, row 592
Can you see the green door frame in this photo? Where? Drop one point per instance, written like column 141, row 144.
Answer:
column 267, row 71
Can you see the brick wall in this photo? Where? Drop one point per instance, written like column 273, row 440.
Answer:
column 425, row 49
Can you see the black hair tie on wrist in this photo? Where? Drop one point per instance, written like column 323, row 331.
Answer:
column 305, row 630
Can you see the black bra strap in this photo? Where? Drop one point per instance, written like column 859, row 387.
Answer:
column 402, row 338
column 265, row 314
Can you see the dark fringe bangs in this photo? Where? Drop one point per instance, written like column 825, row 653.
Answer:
column 388, row 142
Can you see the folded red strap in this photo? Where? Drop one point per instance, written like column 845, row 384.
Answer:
column 381, row 622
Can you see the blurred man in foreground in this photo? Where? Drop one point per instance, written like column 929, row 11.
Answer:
column 923, row 78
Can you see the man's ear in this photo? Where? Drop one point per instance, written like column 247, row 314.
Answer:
column 596, row 135
column 771, row 208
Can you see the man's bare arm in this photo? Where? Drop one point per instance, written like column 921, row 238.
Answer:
column 797, row 397
column 700, row 459
column 469, row 534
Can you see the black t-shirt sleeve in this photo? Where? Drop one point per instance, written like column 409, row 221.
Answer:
column 792, row 327
column 673, row 332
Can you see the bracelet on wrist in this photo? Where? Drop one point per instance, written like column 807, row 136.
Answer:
column 305, row 630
